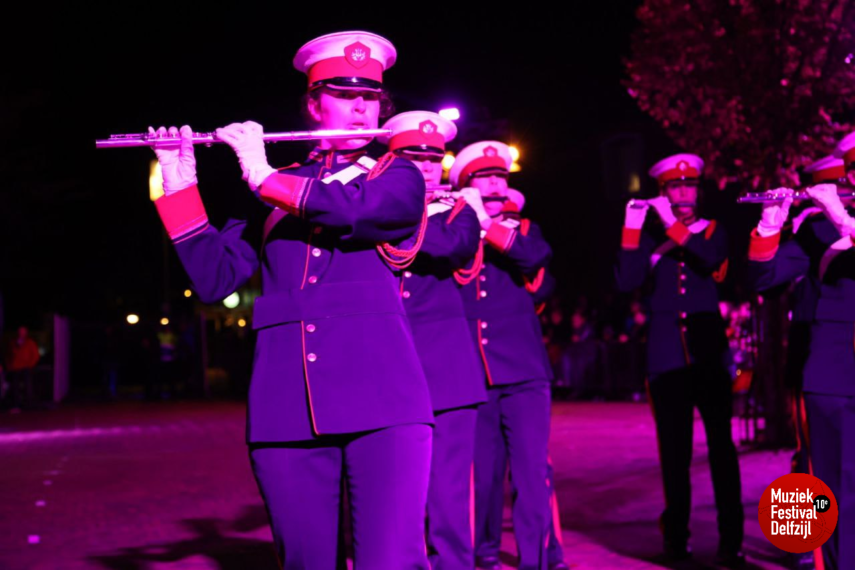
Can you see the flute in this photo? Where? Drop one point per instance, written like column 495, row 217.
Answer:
column 207, row 139
column 775, row 196
column 640, row 204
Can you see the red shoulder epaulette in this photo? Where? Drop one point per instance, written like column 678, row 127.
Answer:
column 458, row 207
column 381, row 165
column 710, row 230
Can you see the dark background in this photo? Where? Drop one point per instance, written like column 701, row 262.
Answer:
column 81, row 237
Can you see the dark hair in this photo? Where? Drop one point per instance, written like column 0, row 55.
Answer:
column 387, row 107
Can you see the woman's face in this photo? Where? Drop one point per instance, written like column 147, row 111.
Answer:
column 346, row 110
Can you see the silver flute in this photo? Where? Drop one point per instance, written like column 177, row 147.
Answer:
column 641, row 204
column 207, row 139
column 777, row 196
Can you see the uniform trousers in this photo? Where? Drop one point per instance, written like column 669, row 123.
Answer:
column 674, row 395
column 449, row 528
column 488, row 534
column 386, row 473
column 831, row 424
column 516, row 418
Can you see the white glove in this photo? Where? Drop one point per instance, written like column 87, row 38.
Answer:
column 473, row 198
column 634, row 218
column 247, row 142
column 178, row 165
column 663, row 207
column 775, row 214
column 826, row 198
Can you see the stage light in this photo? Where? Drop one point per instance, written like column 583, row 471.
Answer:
column 164, row 321
column 452, row 113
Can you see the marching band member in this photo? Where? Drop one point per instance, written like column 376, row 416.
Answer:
column 488, row 536
column 337, row 387
column 441, row 333
column 506, row 330
column 821, row 251
column 686, row 348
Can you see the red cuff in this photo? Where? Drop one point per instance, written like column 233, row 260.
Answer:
column 763, row 248
column 532, row 285
column 630, row 238
column 679, row 233
column 285, row 191
column 182, row 213
column 501, row 237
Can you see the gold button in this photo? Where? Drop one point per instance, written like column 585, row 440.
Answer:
column 682, row 315
column 318, row 229
column 482, row 277
column 310, row 328
column 408, row 274
column 483, row 325
column 316, row 252
column 313, row 279
column 682, row 290
column 682, row 277
column 406, row 294
column 484, row 341
column 483, row 293
column 311, row 357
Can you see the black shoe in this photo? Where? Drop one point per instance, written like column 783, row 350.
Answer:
column 488, row 562
column 730, row 558
column 677, row 551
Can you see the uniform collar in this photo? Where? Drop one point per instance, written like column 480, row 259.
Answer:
column 331, row 156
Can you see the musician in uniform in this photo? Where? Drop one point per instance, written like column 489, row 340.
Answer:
column 515, row 366
column 488, row 535
column 441, row 333
column 822, row 252
column 686, row 348
column 337, row 387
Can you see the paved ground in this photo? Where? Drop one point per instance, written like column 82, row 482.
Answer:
column 168, row 485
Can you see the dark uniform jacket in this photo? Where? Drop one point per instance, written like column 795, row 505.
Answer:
column 436, row 313
column 500, row 306
column 826, row 264
column 683, row 265
column 335, row 353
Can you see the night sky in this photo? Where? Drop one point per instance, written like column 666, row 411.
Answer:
column 80, row 234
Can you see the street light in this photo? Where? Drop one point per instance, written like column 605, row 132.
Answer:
column 155, row 181
column 515, row 157
column 447, row 161
column 232, row 301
